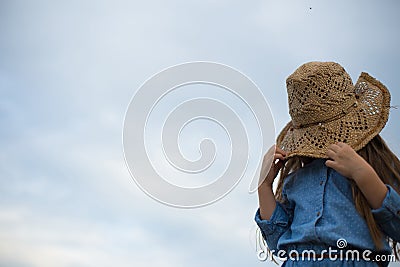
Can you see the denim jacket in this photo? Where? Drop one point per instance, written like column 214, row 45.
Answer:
column 318, row 210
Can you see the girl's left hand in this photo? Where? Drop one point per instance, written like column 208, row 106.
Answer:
column 345, row 160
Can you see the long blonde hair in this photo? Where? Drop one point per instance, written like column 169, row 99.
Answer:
column 385, row 164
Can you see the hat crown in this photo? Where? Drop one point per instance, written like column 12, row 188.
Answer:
column 318, row 92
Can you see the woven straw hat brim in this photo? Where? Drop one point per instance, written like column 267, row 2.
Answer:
column 355, row 128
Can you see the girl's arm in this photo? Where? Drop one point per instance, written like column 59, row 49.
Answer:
column 383, row 199
column 348, row 163
column 272, row 218
column 266, row 201
column 266, row 197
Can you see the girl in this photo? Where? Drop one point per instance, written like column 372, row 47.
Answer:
column 338, row 192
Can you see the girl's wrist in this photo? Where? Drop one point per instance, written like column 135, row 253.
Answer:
column 361, row 169
column 265, row 187
column 360, row 173
column 372, row 187
column 365, row 176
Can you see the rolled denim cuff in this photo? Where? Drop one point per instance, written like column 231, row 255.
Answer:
column 390, row 207
column 279, row 219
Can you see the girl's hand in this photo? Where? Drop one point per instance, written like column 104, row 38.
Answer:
column 345, row 160
column 268, row 171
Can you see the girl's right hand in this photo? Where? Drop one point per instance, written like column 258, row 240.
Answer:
column 268, row 171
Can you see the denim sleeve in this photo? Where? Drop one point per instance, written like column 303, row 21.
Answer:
column 388, row 215
column 274, row 228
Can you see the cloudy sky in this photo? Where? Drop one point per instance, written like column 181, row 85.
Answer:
column 68, row 70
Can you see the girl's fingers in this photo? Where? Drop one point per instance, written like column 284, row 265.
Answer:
column 334, row 147
column 330, row 154
column 279, row 156
column 330, row 163
column 341, row 144
column 280, row 151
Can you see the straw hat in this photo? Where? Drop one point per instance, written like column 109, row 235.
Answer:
column 326, row 108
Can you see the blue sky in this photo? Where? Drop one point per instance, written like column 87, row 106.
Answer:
column 68, row 70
